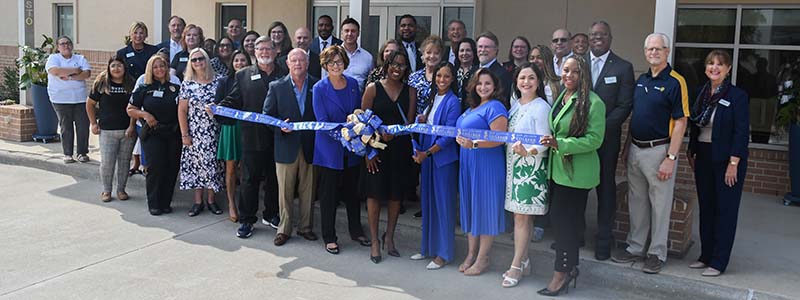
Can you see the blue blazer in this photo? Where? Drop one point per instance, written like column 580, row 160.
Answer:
column 731, row 129
column 447, row 115
column 328, row 107
column 281, row 103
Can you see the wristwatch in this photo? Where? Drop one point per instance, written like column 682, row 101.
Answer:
column 474, row 144
column 671, row 157
column 428, row 153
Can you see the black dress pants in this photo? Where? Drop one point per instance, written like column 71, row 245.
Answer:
column 607, row 190
column 333, row 185
column 163, row 153
column 258, row 166
column 719, row 207
column 567, row 208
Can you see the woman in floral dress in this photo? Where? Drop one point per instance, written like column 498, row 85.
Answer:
column 526, row 166
column 200, row 169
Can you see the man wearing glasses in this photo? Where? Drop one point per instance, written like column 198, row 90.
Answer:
column 258, row 158
column 562, row 48
column 487, row 45
column 612, row 80
column 658, row 123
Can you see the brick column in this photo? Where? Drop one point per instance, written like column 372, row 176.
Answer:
column 17, row 122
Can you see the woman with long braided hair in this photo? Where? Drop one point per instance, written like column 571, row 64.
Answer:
column 578, row 123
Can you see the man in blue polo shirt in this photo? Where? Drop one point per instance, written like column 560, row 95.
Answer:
column 658, row 122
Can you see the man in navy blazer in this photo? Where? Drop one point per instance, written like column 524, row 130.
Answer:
column 290, row 99
column 487, row 44
column 407, row 34
column 612, row 80
column 325, row 38
column 302, row 39
column 173, row 43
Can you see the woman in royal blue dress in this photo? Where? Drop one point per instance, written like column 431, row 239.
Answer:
column 482, row 178
column 438, row 156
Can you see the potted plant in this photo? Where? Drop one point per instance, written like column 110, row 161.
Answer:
column 34, row 78
column 789, row 118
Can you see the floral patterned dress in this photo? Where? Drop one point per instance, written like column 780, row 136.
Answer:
column 199, row 165
column 418, row 81
column 526, row 176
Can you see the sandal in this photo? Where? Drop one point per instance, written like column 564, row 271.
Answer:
column 132, row 172
column 509, row 281
column 334, row 250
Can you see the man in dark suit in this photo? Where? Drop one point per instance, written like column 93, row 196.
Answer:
column 258, row 158
column 302, row 38
column 487, row 45
column 290, row 99
column 612, row 80
column 325, row 38
column 173, row 43
column 407, row 33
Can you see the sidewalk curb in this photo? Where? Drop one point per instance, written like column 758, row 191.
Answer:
column 596, row 272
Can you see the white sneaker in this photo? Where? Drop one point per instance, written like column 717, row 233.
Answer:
column 417, row 256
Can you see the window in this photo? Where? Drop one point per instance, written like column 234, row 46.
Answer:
column 64, row 20
column 465, row 14
column 228, row 12
column 762, row 41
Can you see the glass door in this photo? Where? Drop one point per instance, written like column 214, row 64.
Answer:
column 427, row 20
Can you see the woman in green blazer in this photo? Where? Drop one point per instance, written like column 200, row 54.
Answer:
column 578, row 123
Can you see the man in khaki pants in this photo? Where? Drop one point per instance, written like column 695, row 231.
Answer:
column 658, row 122
column 289, row 99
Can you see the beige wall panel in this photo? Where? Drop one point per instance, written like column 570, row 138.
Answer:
column 534, row 19
column 631, row 21
column 202, row 13
column 99, row 24
column 9, row 22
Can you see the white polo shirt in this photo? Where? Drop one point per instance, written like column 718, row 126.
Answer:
column 66, row 91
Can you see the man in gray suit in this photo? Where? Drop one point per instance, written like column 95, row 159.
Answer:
column 289, row 99
column 612, row 80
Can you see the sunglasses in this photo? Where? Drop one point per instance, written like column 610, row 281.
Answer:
column 559, row 40
column 197, row 59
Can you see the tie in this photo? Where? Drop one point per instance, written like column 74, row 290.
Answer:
column 595, row 70
column 412, row 56
column 324, row 45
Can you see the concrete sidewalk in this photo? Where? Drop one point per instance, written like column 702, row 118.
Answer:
column 763, row 266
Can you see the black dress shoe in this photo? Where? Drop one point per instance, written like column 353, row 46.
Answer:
column 214, row 208
column 155, row 211
column 418, row 214
column 167, row 210
column 375, row 259
column 602, row 250
column 362, row 240
column 196, row 209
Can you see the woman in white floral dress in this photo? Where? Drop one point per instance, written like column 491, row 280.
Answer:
column 526, row 166
column 200, row 169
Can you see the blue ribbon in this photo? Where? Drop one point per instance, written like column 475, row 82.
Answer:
column 374, row 122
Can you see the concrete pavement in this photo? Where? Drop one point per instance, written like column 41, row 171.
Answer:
column 59, row 240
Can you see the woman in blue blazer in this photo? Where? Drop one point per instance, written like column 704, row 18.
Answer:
column 438, row 156
column 335, row 97
column 719, row 134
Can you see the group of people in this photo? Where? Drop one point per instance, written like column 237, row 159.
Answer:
column 575, row 93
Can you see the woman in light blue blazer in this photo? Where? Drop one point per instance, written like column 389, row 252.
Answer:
column 438, row 156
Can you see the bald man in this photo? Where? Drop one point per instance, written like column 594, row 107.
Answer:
column 302, row 40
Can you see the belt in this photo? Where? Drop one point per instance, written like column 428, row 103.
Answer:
column 650, row 144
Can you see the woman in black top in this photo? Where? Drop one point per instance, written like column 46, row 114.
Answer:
column 280, row 36
column 136, row 52
column 390, row 174
column 156, row 103
column 192, row 38
column 466, row 65
column 111, row 90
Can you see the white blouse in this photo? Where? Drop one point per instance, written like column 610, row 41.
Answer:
column 532, row 118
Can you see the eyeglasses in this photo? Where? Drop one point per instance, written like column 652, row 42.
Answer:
column 198, row 59
column 64, row 43
column 598, row 34
column 337, row 63
column 559, row 40
column 224, row 45
column 655, row 49
column 398, row 66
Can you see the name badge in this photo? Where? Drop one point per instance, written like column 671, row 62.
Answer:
column 255, row 77
column 130, row 54
column 611, row 80
column 724, row 102
column 158, row 94
column 183, row 59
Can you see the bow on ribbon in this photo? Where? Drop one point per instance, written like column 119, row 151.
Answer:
column 361, row 133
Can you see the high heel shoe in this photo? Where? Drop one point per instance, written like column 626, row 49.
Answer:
column 571, row 276
column 391, row 252
column 509, row 281
column 526, row 268
column 376, row 259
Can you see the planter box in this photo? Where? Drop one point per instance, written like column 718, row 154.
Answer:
column 17, row 122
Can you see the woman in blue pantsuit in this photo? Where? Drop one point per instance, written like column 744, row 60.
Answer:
column 438, row 156
column 720, row 130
